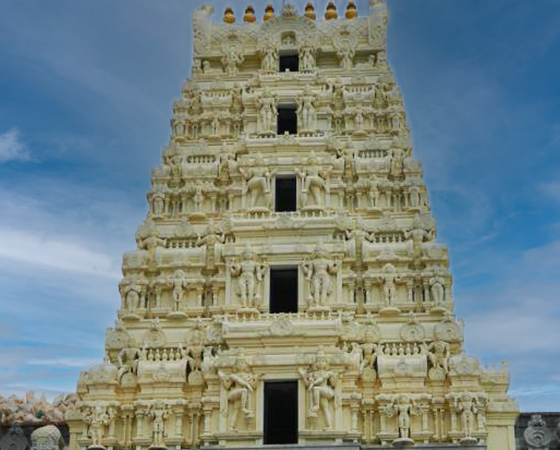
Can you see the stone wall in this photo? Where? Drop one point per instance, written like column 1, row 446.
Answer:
column 17, row 436
column 538, row 431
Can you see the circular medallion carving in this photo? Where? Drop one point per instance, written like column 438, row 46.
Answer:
column 448, row 331
column 413, row 332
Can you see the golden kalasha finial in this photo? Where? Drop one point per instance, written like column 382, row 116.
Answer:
column 351, row 11
column 229, row 17
column 310, row 11
column 249, row 15
column 331, row 11
column 268, row 12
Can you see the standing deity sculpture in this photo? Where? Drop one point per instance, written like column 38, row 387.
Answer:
column 318, row 270
column 403, row 407
column 306, row 111
column 179, row 284
column 158, row 413
column 389, row 280
column 415, row 195
column 232, row 59
column 307, row 58
column 197, row 192
column 237, row 99
column 240, row 384
column 258, row 183
column 466, row 405
column 417, row 234
column 437, row 290
column 269, row 61
column 373, row 191
column 369, row 360
column 314, row 185
column 268, row 112
column 395, row 161
column 212, row 238
column 346, row 58
column 250, row 272
column 320, row 383
column 131, row 291
column 97, row 419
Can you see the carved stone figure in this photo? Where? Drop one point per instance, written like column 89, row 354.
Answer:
column 369, row 360
column 373, row 191
column 467, row 407
column 314, row 185
column 232, row 60
column 269, row 62
column 212, row 238
column 240, row 385
column 404, row 407
column 438, row 357
column 46, row 438
column 258, row 183
column 250, row 273
column 346, row 57
column 267, row 113
column 158, row 413
column 437, row 290
column 179, row 283
column 320, row 383
column 97, row 419
column 307, row 58
column 389, row 280
column 318, row 271
column 306, row 111
column 536, row 435
column 417, row 234
column 128, row 359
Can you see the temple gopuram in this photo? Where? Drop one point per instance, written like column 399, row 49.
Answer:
column 287, row 287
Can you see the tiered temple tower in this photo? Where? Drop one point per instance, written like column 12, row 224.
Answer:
column 287, row 287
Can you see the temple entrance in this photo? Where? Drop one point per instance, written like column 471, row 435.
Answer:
column 283, row 290
column 281, row 412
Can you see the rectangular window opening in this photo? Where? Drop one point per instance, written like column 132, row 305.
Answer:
column 281, row 412
column 287, row 119
column 285, row 196
column 289, row 63
column 283, row 290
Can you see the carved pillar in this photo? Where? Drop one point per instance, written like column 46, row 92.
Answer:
column 179, row 421
column 139, row 423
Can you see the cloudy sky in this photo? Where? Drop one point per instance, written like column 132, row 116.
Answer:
column 86, row 91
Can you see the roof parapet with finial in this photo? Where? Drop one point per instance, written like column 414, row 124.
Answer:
column 351, row 10
column 268, row 12
column 310, row 11
column 331, row 13
column 229, row 17
column 249, row 15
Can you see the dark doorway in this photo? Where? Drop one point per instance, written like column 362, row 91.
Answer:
column 285, row 196
column 281, row 412
column 289, row 62
column 287, row 119
column 283, row 290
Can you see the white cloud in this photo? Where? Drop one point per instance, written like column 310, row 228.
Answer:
column 66, row 362
column 12, row 148
column 54, row 252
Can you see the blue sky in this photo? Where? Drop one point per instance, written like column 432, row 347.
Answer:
column 86, row 91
